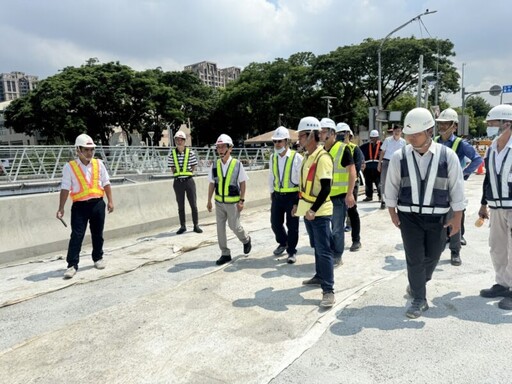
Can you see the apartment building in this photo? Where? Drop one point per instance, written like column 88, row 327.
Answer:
column 16, row 84
column 213, row 76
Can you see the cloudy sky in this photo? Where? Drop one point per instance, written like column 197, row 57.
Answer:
column 40, row 37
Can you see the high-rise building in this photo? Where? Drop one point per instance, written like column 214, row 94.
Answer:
column 211, row 75
column 16, row 84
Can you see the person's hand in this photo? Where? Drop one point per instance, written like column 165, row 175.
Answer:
column 209, row 206
column 60, row 214
column 394, row 217
column 483, row 212
column 454, row 225
column 110, row 207
column 349, row 200
column 240, row 206
column 379, row 167
column 363, row 167
column 294, row 210
column 310, row 215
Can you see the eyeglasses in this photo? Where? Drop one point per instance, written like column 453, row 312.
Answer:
column 277, row 141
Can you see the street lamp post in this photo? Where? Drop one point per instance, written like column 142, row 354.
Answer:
column 280, row 116
column 379, row 53
column 328, row 100
column 151, row 134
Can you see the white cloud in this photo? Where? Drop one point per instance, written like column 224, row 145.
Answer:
column 41, row 37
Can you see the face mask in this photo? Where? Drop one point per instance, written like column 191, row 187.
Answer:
column 279, row 150
column 492, row 131
column 341, row 136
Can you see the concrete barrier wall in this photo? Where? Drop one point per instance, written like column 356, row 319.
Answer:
column 28, row 226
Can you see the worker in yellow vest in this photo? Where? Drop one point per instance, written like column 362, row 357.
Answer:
column 316, row 206
column 86, row 180
column 344, row 178
column 227, row 180
column 183, row 163
column 283, row 180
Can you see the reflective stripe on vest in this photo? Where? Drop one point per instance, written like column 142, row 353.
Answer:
column 91, row 190
column 227, row 189
column 339, row 173
column 499, row 192
column 183, row 171
column 283, row 183
column 454, row 147
column 429, row 196
column 373, row 158
column 307, row 192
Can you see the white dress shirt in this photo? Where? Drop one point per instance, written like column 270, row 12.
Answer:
column 390, row 146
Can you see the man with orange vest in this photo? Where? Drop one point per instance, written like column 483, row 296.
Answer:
column 371, row 152
column 183, row 162
column 86, row 180
column 227, row 180
column 283, row 181
column 316, row 206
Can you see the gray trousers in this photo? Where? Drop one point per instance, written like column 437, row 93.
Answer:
column 500, row 241
column 383, row 173
column 228, row 212
column 187, row 187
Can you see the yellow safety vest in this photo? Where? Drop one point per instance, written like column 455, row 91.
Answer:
column 227, row 189
column 181, row 171
column 340, row 174
column 308, row 192
column 91, row 190
column 286, row 184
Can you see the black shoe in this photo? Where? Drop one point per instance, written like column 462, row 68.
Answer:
column 337, row 262
column 463, row 241
column 505, row 303
column 382, row 205
column 495, row 291
column 223, row 260
column 417, row 307
column 455, row 259
column 280, row 250
column 291, row 259
column 181, row 230
column 356, row 246
column 247, row 246
column 368, row 199
column 197, row 229
column 312, row 281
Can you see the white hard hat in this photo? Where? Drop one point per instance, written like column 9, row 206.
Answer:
column 500, row 112
column 448, row 115
column 342, row 127
column 84, row 141
column 181, row 135
column 308, row 123
column 281, row 133
column 374, row 133
column 224, row 139
column 327, row 123
column 418, row 120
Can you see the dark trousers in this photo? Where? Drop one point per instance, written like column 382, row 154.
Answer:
column 455, row 244
column 281, row 209
column 371, row 177
column 319, row 231
column 83, row 212
column 424, row 239
column 353, row 217
column 181, row 187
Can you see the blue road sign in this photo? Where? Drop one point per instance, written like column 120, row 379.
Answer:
column 507, row 89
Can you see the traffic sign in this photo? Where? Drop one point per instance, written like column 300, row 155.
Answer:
column 495, row 90
column 507, row 89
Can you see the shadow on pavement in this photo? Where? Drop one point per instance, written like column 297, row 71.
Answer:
column 57, row 274
column 277, row 301
column 191, row 265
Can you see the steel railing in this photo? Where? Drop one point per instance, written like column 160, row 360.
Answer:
column 42, row 162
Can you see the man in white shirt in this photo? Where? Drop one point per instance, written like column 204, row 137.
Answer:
column 389, row 146
column 227, row 179
column 283, row 182
column 424, row 181
column 86, row 180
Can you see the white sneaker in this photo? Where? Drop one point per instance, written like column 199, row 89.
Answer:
column 100, row 264
column 70, row 272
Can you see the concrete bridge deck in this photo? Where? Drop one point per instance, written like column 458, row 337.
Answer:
column 163, row 312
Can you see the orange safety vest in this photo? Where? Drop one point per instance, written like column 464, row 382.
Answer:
column 91, row 190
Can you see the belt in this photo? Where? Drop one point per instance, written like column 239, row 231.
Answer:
column 285, row 193
column 182, row 179
column 385, row 159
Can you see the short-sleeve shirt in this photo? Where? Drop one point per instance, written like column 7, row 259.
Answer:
column 390, row 146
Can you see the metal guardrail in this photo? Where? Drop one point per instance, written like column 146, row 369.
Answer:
column 41, row 162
